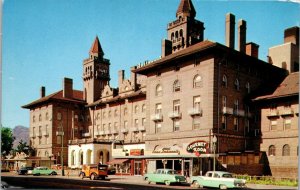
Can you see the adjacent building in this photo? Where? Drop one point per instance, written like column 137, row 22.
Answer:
column 199, row 92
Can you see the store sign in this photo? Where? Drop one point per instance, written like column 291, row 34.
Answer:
column 197, row 147
column 166, row 151
column 136, row 152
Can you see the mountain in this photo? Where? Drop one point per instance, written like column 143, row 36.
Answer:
column 20, row 132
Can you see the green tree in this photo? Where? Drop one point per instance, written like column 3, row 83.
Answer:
column 24, row 147
column 7, row 140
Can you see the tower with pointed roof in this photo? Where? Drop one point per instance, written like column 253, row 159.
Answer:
column 185, row 30
column 95, row 73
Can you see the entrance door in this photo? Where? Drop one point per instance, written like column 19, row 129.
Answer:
column 137, row 167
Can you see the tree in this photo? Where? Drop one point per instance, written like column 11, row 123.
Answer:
column 24, row 147
column 7, row 140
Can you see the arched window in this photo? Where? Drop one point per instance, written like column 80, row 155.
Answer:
column 103, row 115
column 197, row 82
column 176, row 86
column 125, row 111
column 158, row 90
column 47, row 116
column 176, row 34
column 237, row 84
column 109, row 113
column 286, row 150
column 40, row 117
column 272, row 150
column 180, row 33
column 136, row 109
column 101, row 157
column 33, row 119
column 248, row 87
column 224, row 81
column 107, row 158
column 143, row 108
column 46, row 154
column 172, row 36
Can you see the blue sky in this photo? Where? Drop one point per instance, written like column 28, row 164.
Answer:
column 45, row 41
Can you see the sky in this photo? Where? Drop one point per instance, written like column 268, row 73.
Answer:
column 44, row 41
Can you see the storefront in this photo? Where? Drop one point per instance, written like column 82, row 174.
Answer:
column 189, row 160
column 129, row 160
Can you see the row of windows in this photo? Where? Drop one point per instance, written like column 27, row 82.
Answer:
column 40, row 118
column 236, row 84
column 285, row 150
column 287, row 124
column 109, row 126
column 125, row 112
column 197, row 83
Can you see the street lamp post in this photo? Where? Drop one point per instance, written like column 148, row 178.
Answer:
column 61, row 133
column 214, row 140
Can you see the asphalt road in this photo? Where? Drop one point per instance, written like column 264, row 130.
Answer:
column 45, row 182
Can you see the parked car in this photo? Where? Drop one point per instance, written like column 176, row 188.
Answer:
column 94, row 171
column 217, row 179
column 166, row 176
column 25, row 170
column 43, row 171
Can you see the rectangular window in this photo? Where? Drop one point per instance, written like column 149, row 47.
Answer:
column 58, row 139
column 196, row 122
column 176, row 106
column 143, row 122
column 176, row 124
column 125, row 124
column 236, row 123
column 136, row 123
column 40, row 130
column 158, row 127
column 273, row 125
column 236, row 106
column 115, row 126
column 158, row 108
column 109, row 126
column 224, row 122
column 247, row 125
column 287, row 124
column 103, row 127
column 33, row 131
column 224, row 101
column 197, row 101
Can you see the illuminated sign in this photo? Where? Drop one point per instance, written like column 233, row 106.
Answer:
column 199, row 147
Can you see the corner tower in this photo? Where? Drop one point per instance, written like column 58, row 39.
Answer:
column 95, row 73
column 185, row 30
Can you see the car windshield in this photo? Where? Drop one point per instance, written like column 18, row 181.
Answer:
column 227, row 175
column 171, row 172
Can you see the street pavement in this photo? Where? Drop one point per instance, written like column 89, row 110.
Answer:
column 127, row 179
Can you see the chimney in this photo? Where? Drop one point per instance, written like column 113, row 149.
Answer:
column 121, row 77
column 133, row 77
column 292, row 35
column 43, row 91
column 229, row 30
column 252, row 49
column 67, row 88
column 166, row 47
column 242, row 36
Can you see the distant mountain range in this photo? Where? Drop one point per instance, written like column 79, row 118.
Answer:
column 20, row 132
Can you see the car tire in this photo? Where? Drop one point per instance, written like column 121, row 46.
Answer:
column 53, row 173
column 195, row 184
column 92, row 177
column 81, row 175
column 103, row 177
column 146, row 179
column 222, row 186
column 168, row 183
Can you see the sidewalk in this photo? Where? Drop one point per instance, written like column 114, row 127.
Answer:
column 139, row 180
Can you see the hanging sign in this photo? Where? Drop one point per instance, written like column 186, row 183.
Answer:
column 197, row 147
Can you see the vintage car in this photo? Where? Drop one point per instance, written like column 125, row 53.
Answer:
column 43, row 171
column 166, row 176
column 25, row 170
column 94, row 171
column 217, row 179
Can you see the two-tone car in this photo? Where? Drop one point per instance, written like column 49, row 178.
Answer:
column 43, row 171
column 25, row 170
column 217, row 179
column 166, row 176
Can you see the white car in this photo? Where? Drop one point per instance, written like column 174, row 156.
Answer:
column 217, row 179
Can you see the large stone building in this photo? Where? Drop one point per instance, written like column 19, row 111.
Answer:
column 198, row 89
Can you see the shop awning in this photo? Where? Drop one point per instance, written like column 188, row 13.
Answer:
column 117, row 161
